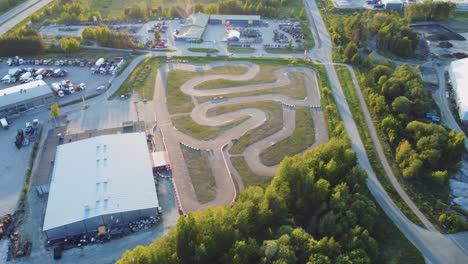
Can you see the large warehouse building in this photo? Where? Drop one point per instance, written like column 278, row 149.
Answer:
column 101, row 181
column 459, row 77
column 22, row 97
column 234, row 20
column 196, row 24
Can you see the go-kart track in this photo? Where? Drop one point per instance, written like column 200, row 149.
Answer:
column 217, row 149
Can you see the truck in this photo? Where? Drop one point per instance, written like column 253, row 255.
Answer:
column 99, row 62
column 25, row 76
column 6, row 78
column 4, row 123
column 57, row 89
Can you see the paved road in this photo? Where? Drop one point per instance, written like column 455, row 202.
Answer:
column 435, row 247
column 226, row 192
column 20, row 13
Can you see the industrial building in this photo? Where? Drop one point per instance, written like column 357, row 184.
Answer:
column 393, row 4
column 22, row 97
column 193, row 29
column 235, row 20
column 458, row 75
column 101, row 181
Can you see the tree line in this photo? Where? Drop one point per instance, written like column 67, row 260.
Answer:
column 316, row 210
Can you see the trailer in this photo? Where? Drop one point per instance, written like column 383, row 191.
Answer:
column 25, row 76
column 99, row 62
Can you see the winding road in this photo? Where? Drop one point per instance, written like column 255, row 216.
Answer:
column 435, row 247
column 219, row 159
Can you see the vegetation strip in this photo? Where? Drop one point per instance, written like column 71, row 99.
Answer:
column 200, row 172
column 186, row 125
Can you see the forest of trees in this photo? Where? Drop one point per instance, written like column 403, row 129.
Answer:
column 23, row 42
column 423, row 151
column 430, row 11
column 106, row 38
column 391, row 33
column 316, row 210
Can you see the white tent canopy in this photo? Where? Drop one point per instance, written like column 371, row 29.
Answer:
column 459, row 76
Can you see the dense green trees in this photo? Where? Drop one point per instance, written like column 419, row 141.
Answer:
column 8, row 4
column 69, row 45
column 423, row 151
column 24, row 42
column 429, row 11
column 389, row 31
column 314, row 211
column 107, row 38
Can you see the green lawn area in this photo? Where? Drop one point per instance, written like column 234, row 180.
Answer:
column 205, row 50
column 178, row 102
column 299, row 141
column 273, row 124
column 358, row 116
column 186, row 125
column 142, row 79
column 265, row 75
column 241, row 50
column 248, row 177
column 460, row 15
column 284, row 51
column 295, row 89
column 200, row 172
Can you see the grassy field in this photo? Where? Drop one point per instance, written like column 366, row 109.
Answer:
column 273, row 124
column 178, row 102
column 358, row 116
column 202, row 177
column 186, row 125
column 248, row 177
column 299, row 141
column 265, row 75
column 142, row 79
column 241, row 50
column 205, row 50
column 295, row 89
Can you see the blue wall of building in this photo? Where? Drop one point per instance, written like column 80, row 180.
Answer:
column 241, row 22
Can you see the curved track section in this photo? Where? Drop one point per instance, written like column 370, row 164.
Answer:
column 219, row 162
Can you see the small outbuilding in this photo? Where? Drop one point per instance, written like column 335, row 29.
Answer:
column 393, row 4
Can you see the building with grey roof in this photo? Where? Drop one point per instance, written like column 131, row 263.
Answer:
column 22, row 97
column 105, row 180
column 194, row 28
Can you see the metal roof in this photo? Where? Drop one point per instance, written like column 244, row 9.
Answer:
column 196, row 24
column 23, row 92
column 459, row 75
column 235, row 17
column 99, row 176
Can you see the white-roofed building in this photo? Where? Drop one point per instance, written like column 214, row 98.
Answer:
column 393, row 4
column 104, row 180
column 25, row 96
column 459, row 77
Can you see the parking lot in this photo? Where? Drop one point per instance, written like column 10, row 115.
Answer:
column 75, row 74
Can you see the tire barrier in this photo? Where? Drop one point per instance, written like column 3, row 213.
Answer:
column 189, row 147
